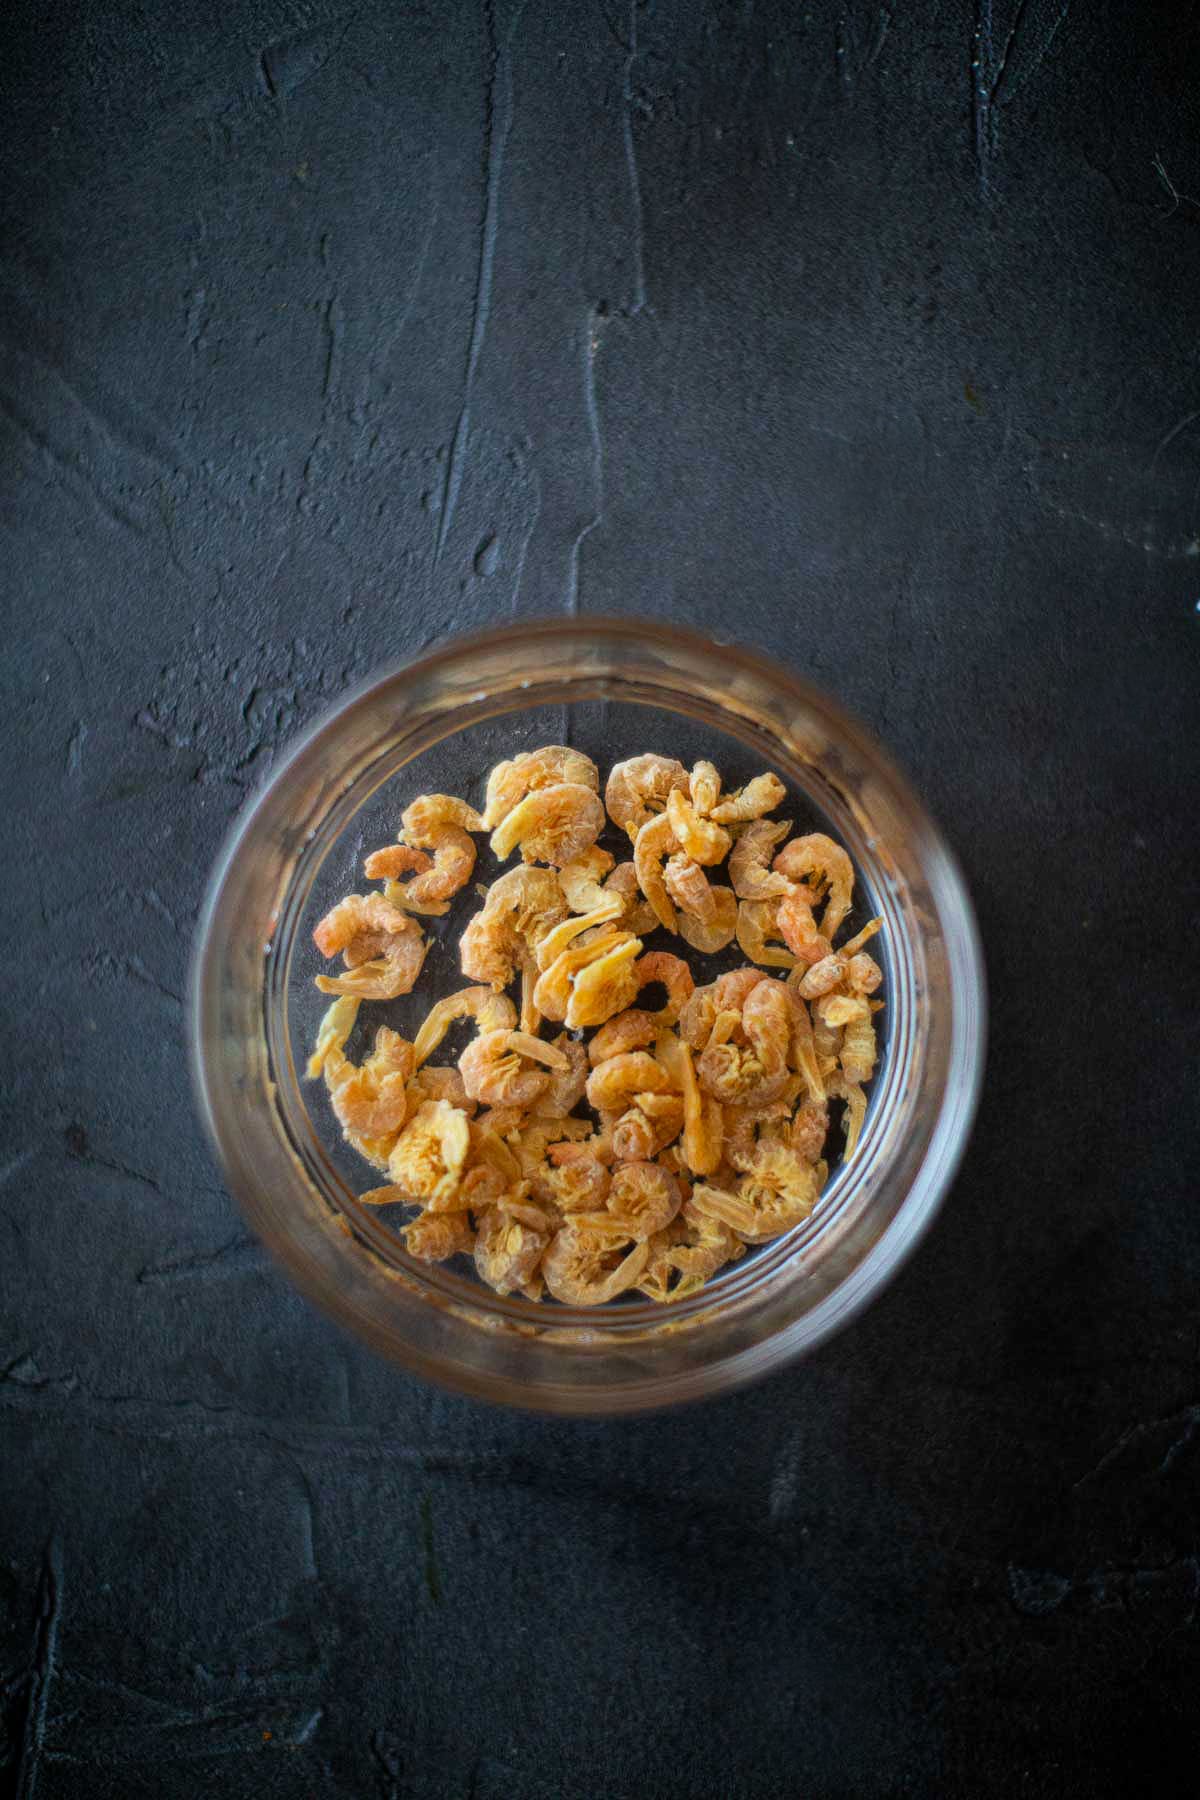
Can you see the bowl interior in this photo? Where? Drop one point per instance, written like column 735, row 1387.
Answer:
column 459, row 764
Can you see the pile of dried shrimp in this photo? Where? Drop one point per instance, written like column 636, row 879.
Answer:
column 584, row 1144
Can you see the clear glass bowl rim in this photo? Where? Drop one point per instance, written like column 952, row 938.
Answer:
column 218, row 1096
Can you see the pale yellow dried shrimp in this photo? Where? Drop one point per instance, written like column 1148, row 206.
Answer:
column 709, row 935
column 371, row 1097
column 382, row 948
column 580, row 880
column 690, row 889
column 551, row 825
column 639, row 1150
column 551, row 766
column 491, row 1012
column 639, row 788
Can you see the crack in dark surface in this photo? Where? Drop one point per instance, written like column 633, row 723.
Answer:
column 43, row 1669
column 497, row 123
column 241, row 1255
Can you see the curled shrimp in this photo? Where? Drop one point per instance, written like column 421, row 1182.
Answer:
column 709, row 936
column 581, row 878
column 382, row 947
column 652, row 843
column 395, row 860
column 704, row 786
column 507, row 1249
column 429, row 1156
column 703, row 841
column 577, row 1184
column 612, row 1083
column 758, row 921
column 359, row 917
column 435, row 1237
column 590, row 1267
column 521, row 907
column 728, row 993
column 777, row 1195
column 759, row 796
column 687, row 1254
column 440, row 823
column 756, row 1072
column 749, row 860
column 743, row 1126
column 334, row 1031
column 638, row 788
column 632, row 1029
column 818, row 861
column 643, row 1198
column 493, row 1070
column 490, row 1011
column 372, row 1098
column 676, row 978
column 551, row 825
column 798, row 928
column 689, row 887
column 652, row 1123
column 510, row 781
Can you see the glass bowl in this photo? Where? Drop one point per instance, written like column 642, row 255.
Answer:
column 614, row 688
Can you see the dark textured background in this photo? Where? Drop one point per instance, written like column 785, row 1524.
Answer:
column 868, row 332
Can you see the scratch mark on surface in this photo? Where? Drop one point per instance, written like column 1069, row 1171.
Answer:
column 1163, row 442
column 72, row 470
column 79, row 1151
column 994, row 80
column 1040, row 51
column 497, row 123
column 241, row 1255
column 591, row 348
column 400, row 322
column 132, row 968
column 981, row 62
column 631, row 164
column 1183, row 1426
column 882, row 27
column 1001, row 75
column 308, row 1513
column 333, row 345
column 75, row 745
column 45, row 1664
column 1177, row 199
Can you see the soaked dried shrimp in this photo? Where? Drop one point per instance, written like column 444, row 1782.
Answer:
column 714, row 1110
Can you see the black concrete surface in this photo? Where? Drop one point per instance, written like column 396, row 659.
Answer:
column 867, row 333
